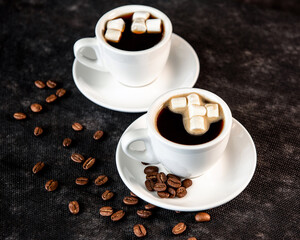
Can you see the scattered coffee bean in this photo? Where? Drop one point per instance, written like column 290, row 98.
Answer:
column 192, row 238
column 82, row 181
column 77, row 126
column 39, row 84
column 88, row 163
column 152, row 176
column 74, row 207
column 38, row 167
column 130, row 200
column 139, row 230
column 181, row 192
column 102, row 179
column 179, row 228
column 144, row 163
column 133, row 195
column 149, row 185
column 172, row 192
column 51, row 185
column 97, row 135
column 67, row 142
column 77, row 157
column 37, row 131
column 150, row 206
column 187, row 183
column 106, row 211
column 51, row 84
column 107, row 195
column 60, row 92
column 160, row 187
column 161, row 177
column 117, row 215
column 151, row 169
column 144, row 213
column 51, row 98
column 174, row 182
column 172, row 175
column 163, row 194
column 35, row 107
column 19, row 116
column 202, row 217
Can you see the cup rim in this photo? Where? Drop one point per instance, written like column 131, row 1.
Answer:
column 156, row 106
column 131, row 8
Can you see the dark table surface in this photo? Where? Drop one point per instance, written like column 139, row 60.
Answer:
column 249, row 56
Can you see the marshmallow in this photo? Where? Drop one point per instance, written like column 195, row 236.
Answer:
column 143, row 15
column 138, row 26
column 113, row 35
column 177, row 103
column 212, row 110
column 153, row 25
column 193, row 99
column 116, row 24
column 196, row 110
column 198, row 125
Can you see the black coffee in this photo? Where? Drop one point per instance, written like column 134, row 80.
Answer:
column 136, row 42
column 170, row 126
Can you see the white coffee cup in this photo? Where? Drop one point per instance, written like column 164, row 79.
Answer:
column 183, row 160
column 131, row 68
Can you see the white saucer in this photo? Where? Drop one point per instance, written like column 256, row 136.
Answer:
column 227, row 179
column 182, row 70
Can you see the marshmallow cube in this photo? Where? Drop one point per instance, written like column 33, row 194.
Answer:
column 212, row 110
column 116, row 24
column 178, row 103
column 153, row 25
column 138, row 26
column 113, row 35
column 196, row 110
column 193, row 99
column 143, row 15
column 198, row 123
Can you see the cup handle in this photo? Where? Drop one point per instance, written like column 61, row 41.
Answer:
column 132, row 136
column 96, row 64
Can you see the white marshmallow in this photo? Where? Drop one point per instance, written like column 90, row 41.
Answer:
column 113, row 35
column 143, row 15
column 196, row 110
column 138, row 26
column 178, row 103
column 198, row 124
column 153, row 25
column 193, row 99
column 212, row 110
column 116, row 24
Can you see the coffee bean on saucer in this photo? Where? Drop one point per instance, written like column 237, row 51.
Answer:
column 173, row 175
column 35, row 107
column 149, row 185
column 74, row 207
column 130, row 200
column 19, row 116
column 144, row 213
column 81, row 180
column 202, row 217
column 88, row 163
column 163, row 194
column 161, row 177
column 51, row 84
column 144, row 163
column 172, row 192
column 107, row 195
column 67, row 142
column 117, row 215
column 51, row 185
column 160, row 187
column 102, row 179
column 133, row 195
column 39, row 84
column 98, row 134
column 51, row 98
column 77, row 157
column 152, row 176
column 151, row 169
column 174, row 182
column 106, row 211
column 181, row 192
column 139, row 230
column 60, row 92
column 187, row 183
column 150, row 206
column 38, row 167
column 179, row 228
column 77, row 126
column 37, row 131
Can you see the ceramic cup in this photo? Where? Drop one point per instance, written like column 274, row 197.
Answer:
column 186, row 161
column 131, row 68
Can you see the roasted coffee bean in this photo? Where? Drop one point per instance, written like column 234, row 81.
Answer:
column 161, row 177
column 149, row 185
column 174, row 182
column 102, row 179
column 144, row 163
column 39, row 84
column 202, row 217
column 35, row 107
column 139, row 230
column 130, row 200
column 82, row 181
column 144, row 213
column 181, row 192
column 37, row 131
column 187, row 183
column 106, row 211
column 77, row 126
column 117, row 215
column 150, row 206
column 97, row 135
column 88, row 163
column 172, row 192
column 172, row 175
column 74, row 207
column 107, row 195
column 133, row 195
column 19, row 116
column 67, row 142
column 77, row 157
column 152, row 176
column 192, row 238
column 60, row 92
column 51, row 98
column 51, row 185
column 151, row 169
column 160, row 187
column 51, row 84
column 38, row 167
column 179, row 228
column 163, row 194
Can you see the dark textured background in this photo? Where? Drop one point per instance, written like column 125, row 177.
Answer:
column 249, row 56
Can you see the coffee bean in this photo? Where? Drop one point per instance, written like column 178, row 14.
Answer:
column 77, row 126
column 181, row 192
column 187, row 183
column 97, row 135
column 150, row 206
column 202, row 217
column 37, row 131
column 107, row 195
column 163, row 194
column 130, row 200
column 174, row 182
column 88, row 163
column 160, row 187
column 106, row 211
column 179, row 228
column 133, row 195
column 149, row 185
column 102, row 179
column 51, row 84
column 117, row 215
column 19, row 116
column 35, row 107
column 151, row 169
column 172, row 192
column 51, row 185
column 82, row 181
column 51, row 98
column 74, row 207
column 139, row 230
column 151, row 176
column 67, row 142
column 161, row 177
column 144, row 213
column 172, row 175
column 38, row 167
column 60, row 92
column 144, row 163
column 39, row 84
column 192, row 238
column 77, row 157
